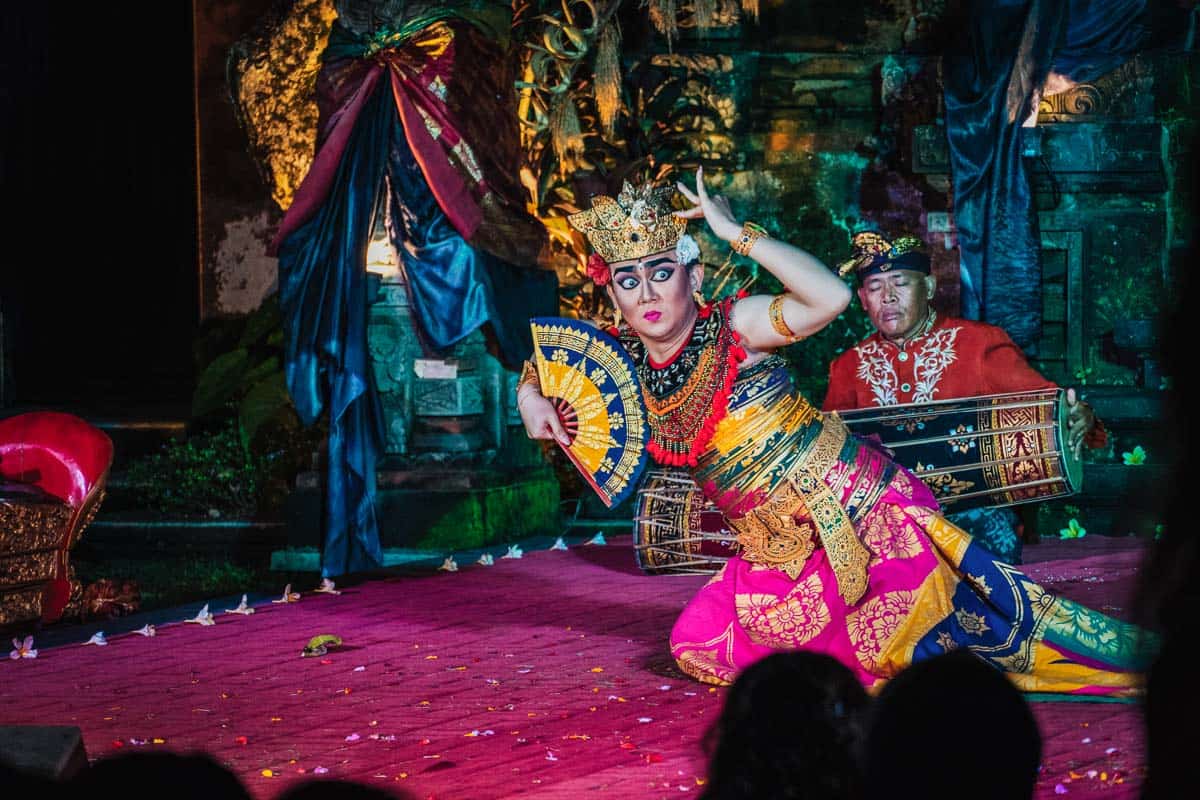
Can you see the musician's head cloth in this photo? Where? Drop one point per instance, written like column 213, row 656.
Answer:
column 636, row 223
column 875, row 254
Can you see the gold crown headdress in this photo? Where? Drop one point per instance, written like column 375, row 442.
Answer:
column 874, row 253
column 635, row 224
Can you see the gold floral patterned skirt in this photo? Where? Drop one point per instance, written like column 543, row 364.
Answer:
column 930, row 588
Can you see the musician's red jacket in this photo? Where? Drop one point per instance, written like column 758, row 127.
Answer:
column 953, row 358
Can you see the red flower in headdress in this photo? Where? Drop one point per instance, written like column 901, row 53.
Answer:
column 598, row 271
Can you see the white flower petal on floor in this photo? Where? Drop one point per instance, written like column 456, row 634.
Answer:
column 327, row 587
column 146, row 630
column 205, row 617
column 243, row 608
column 288, row 595
column 486, row 560
column 449, row 565
column 559, row 544
column 598, row 538
column 97, row 639
column 514, row 551
column 23, row 649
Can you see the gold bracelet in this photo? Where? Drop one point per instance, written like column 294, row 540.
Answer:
column 775, row 312
column 529, row 377
column 746, row 239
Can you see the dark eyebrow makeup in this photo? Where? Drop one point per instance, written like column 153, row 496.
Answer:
column 644, row 264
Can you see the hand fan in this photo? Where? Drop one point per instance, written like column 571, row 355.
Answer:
column 593, row 384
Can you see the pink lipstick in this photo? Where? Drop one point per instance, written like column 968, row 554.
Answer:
column 652, row 316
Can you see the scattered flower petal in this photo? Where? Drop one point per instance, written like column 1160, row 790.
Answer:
column 327, row 587
column 319, row 645
column 486, row 560
column 1134, row 458
column 1073, row 530
column 354, row 737
column 645, row 719
column 23, row 649
column 146, row 630
column 598, row 538
column 319, row 770
column 514, row 551
column 559, row 544
column 243, row 608
column 97, row 639
column 1060, row 789
column 204, row 617
column 360, row 669
column 288, row 596
column 449, row 565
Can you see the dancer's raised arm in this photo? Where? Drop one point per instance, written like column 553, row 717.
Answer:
column 814, row 294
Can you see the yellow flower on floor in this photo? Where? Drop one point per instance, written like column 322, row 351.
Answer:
column 1073, row 530
column 1134, row 458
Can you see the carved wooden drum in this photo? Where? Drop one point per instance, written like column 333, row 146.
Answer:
column 998, row 450
column 676, row 530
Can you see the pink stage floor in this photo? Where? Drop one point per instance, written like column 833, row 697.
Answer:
column 545, row 677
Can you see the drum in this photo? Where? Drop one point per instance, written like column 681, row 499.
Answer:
column 676, row 530
column 998, row 450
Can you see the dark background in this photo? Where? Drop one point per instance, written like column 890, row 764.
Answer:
column 99, row 278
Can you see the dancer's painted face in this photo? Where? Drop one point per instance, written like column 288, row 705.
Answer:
column 654, row 294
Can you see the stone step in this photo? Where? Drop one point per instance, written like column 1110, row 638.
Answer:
column 134, row 432
column 133, row 536
column 434, row 510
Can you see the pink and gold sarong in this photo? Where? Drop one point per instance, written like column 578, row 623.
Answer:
column 845, row 552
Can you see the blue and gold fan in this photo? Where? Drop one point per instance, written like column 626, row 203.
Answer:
column 593, row 383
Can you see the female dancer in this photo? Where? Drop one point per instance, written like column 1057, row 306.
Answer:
column 841, row 550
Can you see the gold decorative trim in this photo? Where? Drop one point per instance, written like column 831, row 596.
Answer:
column 30, row 527
column 27, row 568
column 20, row 605
column 775, row 537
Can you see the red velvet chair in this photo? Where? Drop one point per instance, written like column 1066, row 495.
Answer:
column 53, row 470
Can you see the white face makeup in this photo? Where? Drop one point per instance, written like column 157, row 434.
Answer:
column 654, row 295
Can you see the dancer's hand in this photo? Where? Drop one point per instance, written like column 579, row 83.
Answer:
column 540, row 417
column 713, row 208
column 1080, row 420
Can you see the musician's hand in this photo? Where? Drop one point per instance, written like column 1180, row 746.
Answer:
column 1080, row 420
column 540, row 418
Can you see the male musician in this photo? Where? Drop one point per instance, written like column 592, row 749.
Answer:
column 918, row 356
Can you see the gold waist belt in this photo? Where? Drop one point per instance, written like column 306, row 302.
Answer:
column 773, row 534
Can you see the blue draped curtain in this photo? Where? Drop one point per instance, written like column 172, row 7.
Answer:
column 1018, row 42
column 454, row 288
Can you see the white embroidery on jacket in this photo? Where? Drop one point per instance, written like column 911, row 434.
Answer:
column 930, row 361
column 875, row 368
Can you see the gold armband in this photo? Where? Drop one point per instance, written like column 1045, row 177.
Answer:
column 775, row 312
